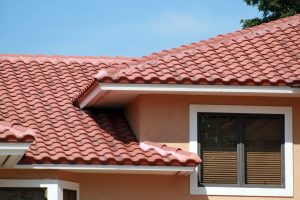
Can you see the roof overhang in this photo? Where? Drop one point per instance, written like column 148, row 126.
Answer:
column 111, row 169
column 116, row 94
column 11, row 153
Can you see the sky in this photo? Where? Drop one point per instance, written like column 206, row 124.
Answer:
column 114, row 27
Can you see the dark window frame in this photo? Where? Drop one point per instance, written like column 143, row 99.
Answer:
column 241, row 152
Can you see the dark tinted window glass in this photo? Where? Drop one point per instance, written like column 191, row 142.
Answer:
column 218, row 140
column 263, row 139
column 70, row 194
column 22, row 194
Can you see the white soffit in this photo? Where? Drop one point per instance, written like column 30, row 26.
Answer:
column 11, row 153
column 115, row 94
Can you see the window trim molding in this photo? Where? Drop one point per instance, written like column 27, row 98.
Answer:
column 287, row 191
column 54, row 188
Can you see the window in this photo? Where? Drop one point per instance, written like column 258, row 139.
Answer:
column 241, row 149
column 23, row 193
column 246, row 150
column 38, row 189
column 69, row 194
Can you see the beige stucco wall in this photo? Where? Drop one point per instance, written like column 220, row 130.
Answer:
column 36, row 174
column 163, row 118
column 132, row 112
column 124, row 187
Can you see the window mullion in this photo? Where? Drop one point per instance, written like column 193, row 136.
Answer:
column 241, row 152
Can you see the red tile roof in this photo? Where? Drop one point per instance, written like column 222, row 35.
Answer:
column 10, row 132
column 37, row 92
column 268, row 54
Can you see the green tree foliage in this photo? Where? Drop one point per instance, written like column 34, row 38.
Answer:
column 271, row 10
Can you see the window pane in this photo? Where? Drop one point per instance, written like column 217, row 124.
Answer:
column 22, row 193
column 218, row 140
column 263, row 150
column 69, row 194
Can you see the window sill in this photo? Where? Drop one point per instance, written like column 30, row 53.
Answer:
column 237, row 191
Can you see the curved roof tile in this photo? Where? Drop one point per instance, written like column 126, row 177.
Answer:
column 10, row 132
column 267, row 54
column 37, row 92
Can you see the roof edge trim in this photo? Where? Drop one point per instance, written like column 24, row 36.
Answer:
column 125, row 169
column 199, row 88
column 11, row 153
column 102, row 89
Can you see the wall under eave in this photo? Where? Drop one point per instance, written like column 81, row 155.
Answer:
column 125, row 187
column 165, row 119
column 132, row 112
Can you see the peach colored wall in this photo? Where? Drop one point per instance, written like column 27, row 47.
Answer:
column 125, row 187
column 132, row 112
column 144, row 187
column 165, row 118
column 36, row 174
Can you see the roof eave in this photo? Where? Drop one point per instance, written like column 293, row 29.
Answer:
column 11, row 153
column 113, row 169
column 95, row 95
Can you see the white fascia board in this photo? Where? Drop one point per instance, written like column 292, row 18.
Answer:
column 199, row 88
column 13, row 152
column 103, row 88
column 180, row 170
column 90, row 97
column 13, row 148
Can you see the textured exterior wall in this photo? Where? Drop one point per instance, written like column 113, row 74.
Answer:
column 165, row 118
column 36, row 174
column 126, row 187
column 132, row 112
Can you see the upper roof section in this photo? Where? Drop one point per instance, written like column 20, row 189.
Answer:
column 54, row 59
column 267, row 54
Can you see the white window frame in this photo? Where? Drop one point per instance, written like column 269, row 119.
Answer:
column 54, row 188
column 287, row 191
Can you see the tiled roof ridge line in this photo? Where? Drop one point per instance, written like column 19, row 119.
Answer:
column 43, row 58
column 81, row 93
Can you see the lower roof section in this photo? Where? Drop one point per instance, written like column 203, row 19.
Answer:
column 105, row 139
column 37, row 93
